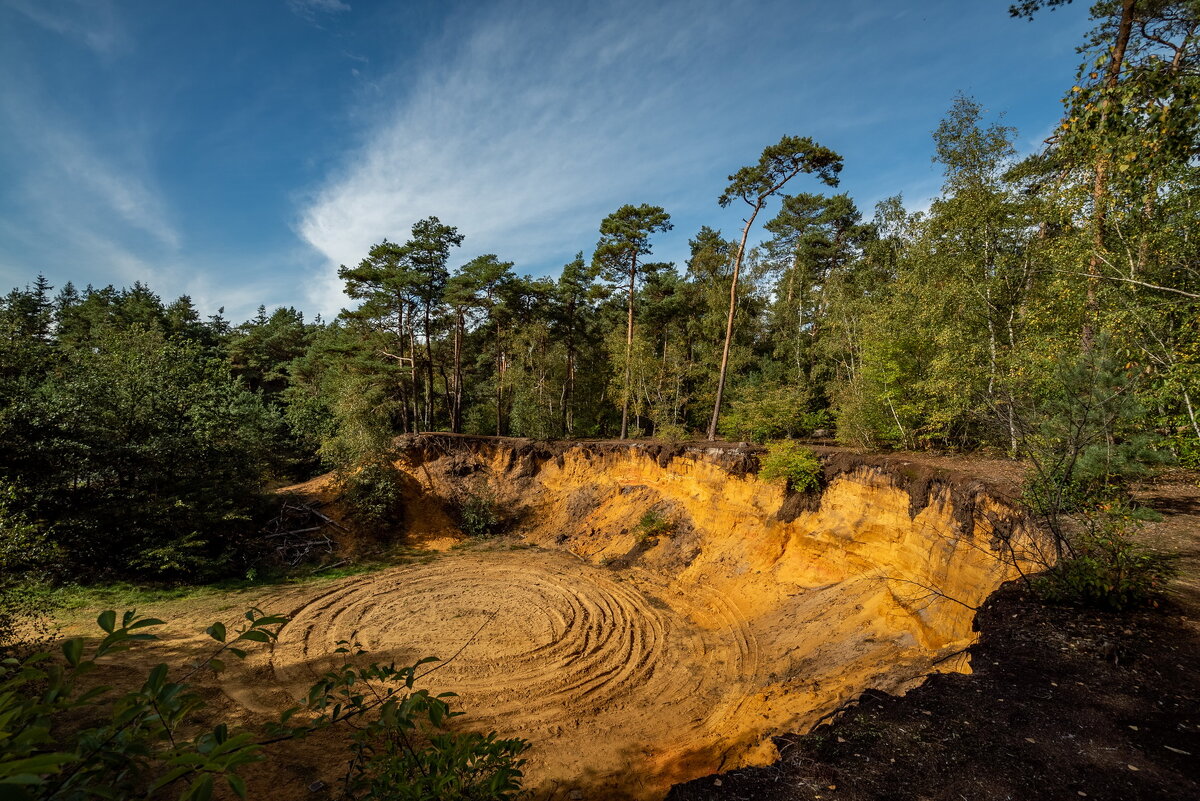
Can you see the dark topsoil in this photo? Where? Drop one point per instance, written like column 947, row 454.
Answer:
column 1064, row 703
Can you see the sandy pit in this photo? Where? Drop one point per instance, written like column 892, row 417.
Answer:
column 634, row 663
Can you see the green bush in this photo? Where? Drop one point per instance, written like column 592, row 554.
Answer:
column 150, row 742
column 787, row 459
column 144, row 743
column 478, row 510
column 372, row 493
column 654, row 524
column 28, row 558
column 772, row 412
column 671, row 432
column 1105, row 567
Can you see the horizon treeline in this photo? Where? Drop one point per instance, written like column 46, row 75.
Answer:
column 1031, row 287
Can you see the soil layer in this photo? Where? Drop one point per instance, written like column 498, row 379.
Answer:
column 1063, row 703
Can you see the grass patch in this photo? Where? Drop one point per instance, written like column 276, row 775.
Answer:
column 130, row 595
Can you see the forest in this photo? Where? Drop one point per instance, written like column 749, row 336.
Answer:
column 1043, row 307
column 1041, row 313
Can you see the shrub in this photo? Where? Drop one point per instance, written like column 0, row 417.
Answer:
column 1105, row 567
column 671, row 432
column 150, row 742
column 372, row 492
column 400, row 751
column 478, row 510
column 28, row 557
column 791, row 461
column 654, row 524
column 132, row 744
column 770, row 413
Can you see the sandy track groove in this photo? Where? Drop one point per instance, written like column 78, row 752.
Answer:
column 609, row 681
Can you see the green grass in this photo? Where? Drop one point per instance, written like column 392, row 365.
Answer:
column 127, row 595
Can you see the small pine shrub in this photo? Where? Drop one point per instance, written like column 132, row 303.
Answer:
column 770, row 412
column 372, row 492
column 478, row 510
column 653, row 525
column 1106, row 568
column 671, row 432
column 799, row 466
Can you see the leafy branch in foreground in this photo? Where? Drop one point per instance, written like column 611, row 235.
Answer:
column 138, row 749
column 399, row 749
column 149, row 742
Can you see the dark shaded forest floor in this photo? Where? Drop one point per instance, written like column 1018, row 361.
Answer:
column 1064, row 703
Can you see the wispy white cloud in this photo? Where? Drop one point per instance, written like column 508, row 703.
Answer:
column 524, row 132
column 92, row 22
column 311, row 9
column 75, row 201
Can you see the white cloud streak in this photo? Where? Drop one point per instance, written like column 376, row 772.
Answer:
column 94, row 23
column 311, row 9
column 81, row 203
column 537, row 125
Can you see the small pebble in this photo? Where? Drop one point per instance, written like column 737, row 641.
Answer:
column 717, row 782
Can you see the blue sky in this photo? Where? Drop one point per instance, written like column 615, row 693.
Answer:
column 239, row 150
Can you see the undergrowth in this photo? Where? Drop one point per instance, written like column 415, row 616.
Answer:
column 1104, row 566
column 787, row 459
column 652, row 525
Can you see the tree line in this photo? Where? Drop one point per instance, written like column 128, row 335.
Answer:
column 1030, row 289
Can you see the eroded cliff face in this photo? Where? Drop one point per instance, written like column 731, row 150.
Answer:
column 758, row 613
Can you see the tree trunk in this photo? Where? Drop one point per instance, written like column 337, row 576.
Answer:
column 628, row 351
column 737, row 267
column 412, row 373
column 499, row 383
column 428, row 372
column 404, row 421
column 1100, row 180
column 568, row 416
column 456, row 405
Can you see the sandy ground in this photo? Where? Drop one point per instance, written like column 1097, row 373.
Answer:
column 624, row 683
column 627, row 678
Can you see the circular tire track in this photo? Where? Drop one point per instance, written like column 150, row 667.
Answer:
column 565, row 651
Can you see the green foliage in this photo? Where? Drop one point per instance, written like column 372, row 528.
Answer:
column 1084, row 438
column 153, row 742
column 148, row 742
column 477, row 509
column 671, row 432
column 761, row 413
column 1105, row 566
column 372, row 492
column 799, row 466
column 652, row 525
column 399, row 750
column 140, row 453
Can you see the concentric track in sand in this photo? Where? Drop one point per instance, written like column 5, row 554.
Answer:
column 544, row 646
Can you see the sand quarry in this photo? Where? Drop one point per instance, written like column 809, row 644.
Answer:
column 634, row 663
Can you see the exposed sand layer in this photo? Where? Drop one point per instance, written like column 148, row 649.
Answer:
column 633, row 663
